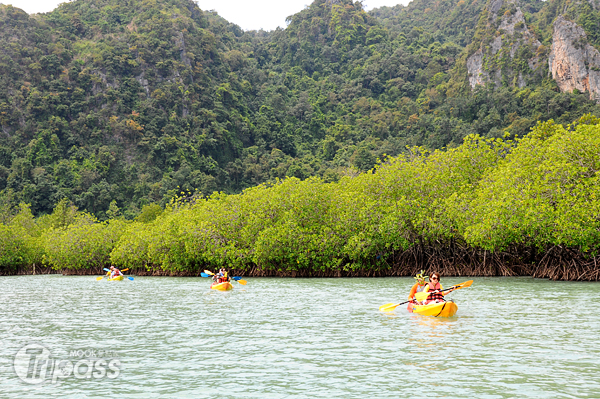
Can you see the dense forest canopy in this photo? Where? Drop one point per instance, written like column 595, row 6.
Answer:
column 114, row 105
column 487, row 207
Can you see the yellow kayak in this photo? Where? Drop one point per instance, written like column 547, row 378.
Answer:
column 441, row 309
column 118, row 278
column 225, row 286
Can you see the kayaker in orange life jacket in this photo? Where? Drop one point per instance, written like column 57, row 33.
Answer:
column 224, row 275
column 435, row 287
column 221, row 276
column 114, row 272
column 418, row 287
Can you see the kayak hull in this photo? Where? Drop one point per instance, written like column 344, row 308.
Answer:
column 118, row 278
column 442, row 309
column 225, row 286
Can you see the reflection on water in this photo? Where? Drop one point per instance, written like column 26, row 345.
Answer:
column 432, row 325
column 306, row 338
column 426, row 334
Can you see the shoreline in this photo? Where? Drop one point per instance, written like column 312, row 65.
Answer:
column 557, row 272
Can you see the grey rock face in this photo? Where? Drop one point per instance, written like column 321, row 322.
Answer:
column 573, row 63
column 510, row 36
column 477, row 75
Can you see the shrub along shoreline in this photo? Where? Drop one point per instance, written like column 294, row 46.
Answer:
column 561, row 266
column 490, row 207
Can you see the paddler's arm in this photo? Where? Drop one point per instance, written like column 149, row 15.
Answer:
column 452, row 288
column 427, row 288
column 413, row 291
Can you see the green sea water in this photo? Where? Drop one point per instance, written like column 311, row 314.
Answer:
column 296, row 338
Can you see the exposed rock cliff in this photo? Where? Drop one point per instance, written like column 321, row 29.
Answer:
column 508, row 51
column 574, row 63
column 477, row 75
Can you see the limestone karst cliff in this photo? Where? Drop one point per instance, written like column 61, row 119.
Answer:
column 508, row 51
column 573, row 62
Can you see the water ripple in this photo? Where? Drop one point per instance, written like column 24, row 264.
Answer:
column 306, row 338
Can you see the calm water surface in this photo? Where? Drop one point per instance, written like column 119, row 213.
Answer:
column 305, row 338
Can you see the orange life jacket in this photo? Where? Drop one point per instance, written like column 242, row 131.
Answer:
column 433, row 296
column 415, row 289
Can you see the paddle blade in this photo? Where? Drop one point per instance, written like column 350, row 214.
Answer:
column 209, row 272
column 204, row 275
column 465, row 284
column 124, row 270
column 106, row 270
column 242, row 282
column 388, row 307
column 421, row 296
column 99, row 278
column 130, row 278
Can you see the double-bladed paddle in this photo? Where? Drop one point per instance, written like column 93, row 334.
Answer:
column 388, row 307
column 239, row 280
column 208, row 273
column 421, row 296
column 106, row 275
column 108, row 272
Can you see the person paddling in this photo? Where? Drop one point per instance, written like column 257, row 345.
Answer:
column 435, row 288
column 418, row 287
column 221, row 276
column 224, row 275
column 114, row 272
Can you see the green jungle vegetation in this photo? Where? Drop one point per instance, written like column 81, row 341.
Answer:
column 155, row 135
column 132, row 101
column 486, row 207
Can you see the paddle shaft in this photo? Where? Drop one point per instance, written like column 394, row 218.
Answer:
column 392, row 306
column 421, row 296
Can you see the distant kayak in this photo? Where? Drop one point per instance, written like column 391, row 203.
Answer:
column 441, row 309
column 118, row 278
column 225, row 286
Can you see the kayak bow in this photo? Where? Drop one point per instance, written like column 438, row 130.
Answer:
column 224, row 286
column 441, row 309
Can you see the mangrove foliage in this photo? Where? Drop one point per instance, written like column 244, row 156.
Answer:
column 491, row 206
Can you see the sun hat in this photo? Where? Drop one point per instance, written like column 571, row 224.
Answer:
column 420, row 276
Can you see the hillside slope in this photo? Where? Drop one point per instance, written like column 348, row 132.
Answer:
column 129, row 102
